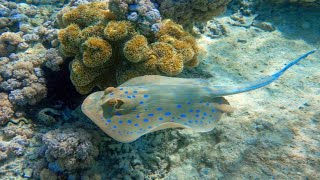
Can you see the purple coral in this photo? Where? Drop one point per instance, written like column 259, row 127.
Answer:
column 143, row 12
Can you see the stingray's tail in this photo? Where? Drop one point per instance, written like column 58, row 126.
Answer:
column 228, row 90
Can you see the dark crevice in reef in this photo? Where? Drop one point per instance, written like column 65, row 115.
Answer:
column 60, row 87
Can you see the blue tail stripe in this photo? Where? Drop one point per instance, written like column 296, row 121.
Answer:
column 225, row 90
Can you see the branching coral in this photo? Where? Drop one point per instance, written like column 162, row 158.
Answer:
column 9, row 43
column 23, row 81
column 69, row 149
column 106, row 49
column 5, row 108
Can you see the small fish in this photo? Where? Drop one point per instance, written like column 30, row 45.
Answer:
column 150, row 103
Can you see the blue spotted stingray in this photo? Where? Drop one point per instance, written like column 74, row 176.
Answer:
column 149, row 103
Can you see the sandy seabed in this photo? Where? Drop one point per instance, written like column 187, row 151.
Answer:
column 274, row 131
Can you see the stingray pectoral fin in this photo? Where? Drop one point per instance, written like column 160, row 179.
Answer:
column 90, row 107
column 169, row 125
column 223, row 105
column 224, row 108
column 218, row 91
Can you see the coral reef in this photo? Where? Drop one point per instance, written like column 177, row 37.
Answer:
column 105, row 48
column 22, row 80
column 301, row 2
column 15, row 146
column 41, row 2
column 26, row 33
column 190, row 11
column 9, row 42
column 69, row 150
column 6, row 108
column 144, row 13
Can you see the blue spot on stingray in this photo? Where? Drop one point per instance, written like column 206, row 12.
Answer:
column 188, row 102
column 191, row 110
column 129, row 121
column 120, row 122
column 129, row 97
column 205, row 114
column 136, row 124
column 118, row 114
column 207, row 104
column 197, row 115
column 126, row 92
column 190, row 121
column 196, row 121
column 109, row 120
column 120, row 89
column 146, row 96
column 183, row 115
column 160, row 118
column 133, row 96
column 145, row 120
column 159, row 109
column 167, row 113
column 135, row 92
column 133, row 109
column 179, row 106
column 150, row 115
column 114, row 127
column 137, row 116
column 213, row 110
column 141, row 102
column 197, row 110
column 111, row 94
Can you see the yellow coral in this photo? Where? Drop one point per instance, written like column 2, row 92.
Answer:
column 81, row 75
column 182, row 48
column 192, row 63
column 171, row 65
column 128, row 74
column 93, row 31
column 170, row 28
column 96, row 52
column 86, row 14
column 101, row 44
column 137, row 49
column 150, row 66
column 70, row 38
column 162, row 49
column 85, row 89
column 118, row 30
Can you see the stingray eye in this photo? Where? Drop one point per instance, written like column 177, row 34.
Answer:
column 115, row 103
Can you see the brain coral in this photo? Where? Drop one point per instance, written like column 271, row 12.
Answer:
column 105, row 48
column 187, row 11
